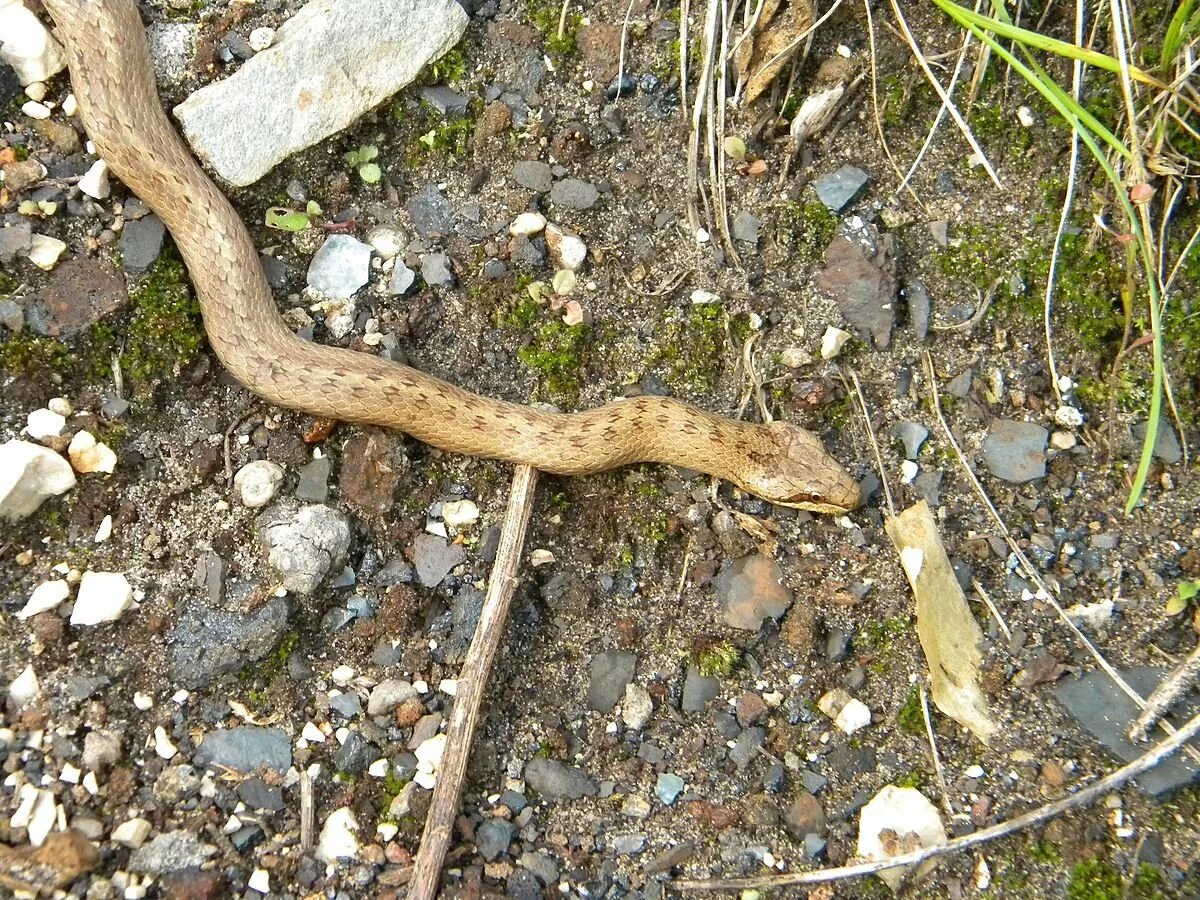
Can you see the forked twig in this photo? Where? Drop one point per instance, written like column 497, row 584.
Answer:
column 472, row 683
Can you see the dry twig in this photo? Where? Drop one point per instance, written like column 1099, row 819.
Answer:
column 472, row 683
column 1163, row 697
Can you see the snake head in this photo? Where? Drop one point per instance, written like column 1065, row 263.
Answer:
column 804, row 475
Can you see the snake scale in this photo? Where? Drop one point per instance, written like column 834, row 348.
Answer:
column 121, row 111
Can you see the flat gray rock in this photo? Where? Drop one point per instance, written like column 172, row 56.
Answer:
column 919, row 308
column 534, row 175
column 245, row 748
column 433, row 558
column 842, row 188
column 912, row 435
column 141, row 242
column 860, row 273
column 340, row 267
column 330, row 63
column 447, row 101
column 435, row 269
column 556, row 781
column 1015, row 451
column 750, row 590
column 206, row 642
column 698, row 690
column 170, row 852
column 313, row 486
column 572, row 193
column 304, row 544
column 15, row 239
column 493, row 837
column 1106, row 712
column 431, row 213
column 610, row 672
column 402, row 279
column 745, row 227
column 1166, row 444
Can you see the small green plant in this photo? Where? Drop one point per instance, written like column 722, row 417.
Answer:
column 282, row 218
column 804, row 230
column 547, row 17
column 165, row 333
column 363, row 161
column 911, row 718
column 1094, row 879
column 1044, row 851
column 1185, row 593
column 449, row 68
column 716, row 659
column 451, row 138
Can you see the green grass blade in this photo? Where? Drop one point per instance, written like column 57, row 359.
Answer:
column 1178, row 30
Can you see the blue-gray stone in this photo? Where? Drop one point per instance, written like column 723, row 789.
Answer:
column 556, row 781
column 919, row 308
column 257, row 794
column 141, row 242
column 610, row 673
column 403, row 278
column 1015, row 451
column 434, row 558
column 1166, row 444
column 347, row 704
column 493, row 837
column 169, row 852
column 842, row 188
column 533, row 175
column 435, row 269
column 668, row 787
column 813, row 783
column 431, row 213
column 698, row 690
column 745, row 747
column 245, row 748
column 448, row 102
column 314, row 481
column 912, row 435
column 206, row 641
column 340, row 267
column 571, row 193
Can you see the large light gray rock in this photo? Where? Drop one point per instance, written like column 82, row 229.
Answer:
column 29, row 474
column 330, row 63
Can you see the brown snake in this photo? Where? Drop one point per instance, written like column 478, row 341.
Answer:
column 113, row 82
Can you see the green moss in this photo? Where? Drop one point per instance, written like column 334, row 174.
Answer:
column 883, row 639
column 715, row 660
column 690, row 346
column 554, row 350
column 545, row 17
column 265, row 670
column 804, row 230
column 994, row 127
column 449, row 68
column 913, row 779
column 911, row 718
column 1044, row 851
column 894, row 100
column 165, row 332
column 979, row 257
column 28, row 355
column 1094, row 879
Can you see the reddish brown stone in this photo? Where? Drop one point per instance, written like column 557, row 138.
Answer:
column 600, row 46
column 81, row 291
column 371, row 465
column 749, row 708
column 193, row 884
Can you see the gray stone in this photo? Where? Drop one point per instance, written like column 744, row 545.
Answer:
column 354, row 755
column 330, row 63
column 313, row 486
column 402, row 279
column 750, row 590
column 29, row 475
column 628, row 844
column 346, row 704
column 533, row 174
column 698, row 690
column 340, row 267
column 746, row 746
column 257, row 794
column 435, row 269
column 15, row 241
column 813, row 783
column 556, row 781
column 1166, row 444
column 427, row 726
column 540, row 864
column 805, row 816
column 860, row 273
column 141, row 242
column 245, row 748
column 842, row 188
column 919, row 308
column 912, row 435
column 431, row 213
column 447, row 101
column 172, row 49
column 205, row 641
column 304, row 544
column 960, row 385
column 433, row 558
column 610, row 672
column 1015, row 451
column 1106, row 712
column 114, row 408
column 170, row 852
column 745, row 227
column 389, row 694
column 571, row 193
column 493, row 837
column 12, row 316
column 667, row 787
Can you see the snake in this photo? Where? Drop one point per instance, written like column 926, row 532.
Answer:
column 114, row 86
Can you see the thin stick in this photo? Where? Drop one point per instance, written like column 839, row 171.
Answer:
column 472, row 682
column 1086, row 796
column 306, row 811
column 991, row 606
column 562, row 21
column 862, row 405
column 1163, row 697
column 933, row 751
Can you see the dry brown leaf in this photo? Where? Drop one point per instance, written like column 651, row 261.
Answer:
column 772, row 41
column 948, row 632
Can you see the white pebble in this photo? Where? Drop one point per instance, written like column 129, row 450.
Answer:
column 44, row 251
column 94, row 181
column 260, row 39
column 385, row 241
column 908, row 471
column 131, row 833
column 162, row 744
column 429, row 753
column 25, row 687
column 311, row 733
column 448, row 686
column 1063, row 440
column 258, row 482
column 339, row 838
column 260, row 879
column 44, row 423
column 342, row 675
column 30, row 473
column 832, row 342
column 379, row 768
column 460, row 513
column 974, row 771
column 540, row 557
column 854, row 715
column 70, row 106
column 527, row 224
column 103, row 597
column 1068, row 417
column 701, row 296
column 89, row 455
column 142, row 701
column 567, row 251
column 70, row 774
column 36, row 91
column 1025, row 116
column 45, row 597
column 28, row 46
column 60, row 405
column 104, row 532
column 35, row 110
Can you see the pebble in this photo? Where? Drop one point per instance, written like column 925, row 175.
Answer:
column 832, row 341
column 698, row 690
column 556, row 781
column 895, row 810
column 35, row 110
column 44, row 251
column 245, row 748
column 429, row 756
column 1166, row 443
column 745, row 227
column 611, row 671
column 102, row 749
column 571, row 193
column 206, row 641
column 459, row 514
column 445, row 100
column 435, row 269
column 533, row 175
column 141, row 242
column 43, row 424
column 25, row 688
column 527, row 224
column 352, row 56
column 668, row 787
column 170, row 851
column 1015, row 451
column 313, row 484
column 746, row 747
column 29, row 475
column 45, row 597
column 1063, row 440
column 840, row 189
column 258, row 482
column 861, row 273
column 102, row 597
column 637, row 707
column 431, row 213
column 132, row 833
column 94, row 181
column 805, row 816
column 89, row 455
column 27, row 46
column 304, row 545
column 340, row 267
column 493, row 837
column 387, row 695
column 1068, row 417
column 433, row 558
column 567, row 250
column 402, row 279
column 751, row 590
column 339, row 837
column 912, row 435
column 260, row 39
column 387, row 242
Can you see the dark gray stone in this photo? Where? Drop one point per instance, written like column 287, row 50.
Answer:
column 493, row 837
column 206, row 641
column 533, row 175
column 919, row 308
column 141, row 242
column 745, row 748
column 698, row 690
column 354, row 755
column 257, row 794
column 313, row 486
column 448, row 102
column 15, row 241
column 839, row 190
column 431, row 213
column 611, row 671
column 556, row 781
column 1015, row 451
column 571, row 193
column 433, row 558
column 245, row 748
column 1166, row 444
column 1105, row 711
column 346, row 704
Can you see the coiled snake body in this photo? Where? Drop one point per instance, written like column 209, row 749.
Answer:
column 113, row 82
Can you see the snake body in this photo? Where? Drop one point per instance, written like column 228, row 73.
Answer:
column 119, row 104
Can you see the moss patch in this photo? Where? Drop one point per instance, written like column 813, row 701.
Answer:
column 165, row 332
column 803, row 230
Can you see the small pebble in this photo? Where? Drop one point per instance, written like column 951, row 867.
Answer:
column 103, row 597
column 258, row 482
